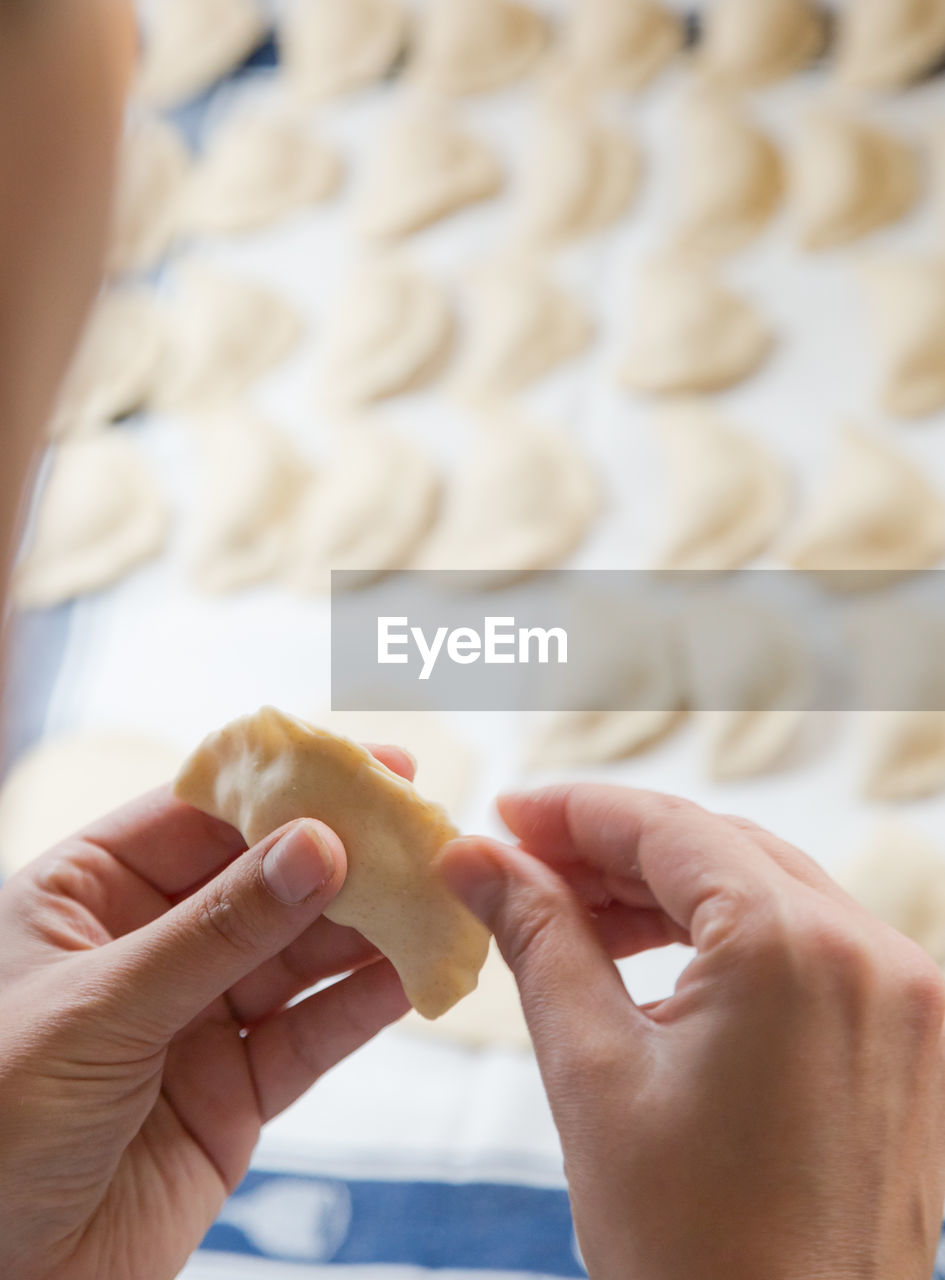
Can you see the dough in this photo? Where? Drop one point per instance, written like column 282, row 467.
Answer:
column 886, row 44
column 366, row 510
column 191, row 44
column 522, row 326
column 471, row 48
column 425, row 169
column 746, row 44
column 489, row 1017
column 224, row 332
column 99, row 515
column 751, row 680
column 260, row 165
column 876, row 512
column 691, row 333
column 849, row 177
column 620, row 44
column 251, row 481
column 905, row 300
column 730, row 495
column 732, row 179
column 267, row 769
column 523, row 501
column 329, row 47
column 581, row 176
column 900, row 877
column 391, row 331
column 115, row 367
column 65, row 782
column 152, row 169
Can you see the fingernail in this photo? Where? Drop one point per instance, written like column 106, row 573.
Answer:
column 298, row 865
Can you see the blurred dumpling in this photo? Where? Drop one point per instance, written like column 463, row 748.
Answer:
column 732, row 178
column 330, row 47
column 748, row 43
column 391, row 332
column 522, row 326
column 729, row 493
column 876, row 512
column 98, row 516
column 581, row 175
column 470, row 48
column 886, row 44
column 905, row 297
column 259, row 166
column 620, row 44
column 425, row 168
column 191, row 44
column 251, row 481
column 365, row 511
column 691, row 333
column 152, row 167
column 849, row 177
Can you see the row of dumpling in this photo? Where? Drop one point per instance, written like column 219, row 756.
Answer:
column 453, row 47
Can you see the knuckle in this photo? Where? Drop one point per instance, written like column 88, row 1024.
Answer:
column 221, row 916
column 527, row 927
column 922, row 992
column 833, row 946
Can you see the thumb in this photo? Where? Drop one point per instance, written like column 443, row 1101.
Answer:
column 573, row 997
column 178, row 965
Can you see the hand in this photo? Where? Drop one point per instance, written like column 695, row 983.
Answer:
column 145, row 966
column 782, row 1114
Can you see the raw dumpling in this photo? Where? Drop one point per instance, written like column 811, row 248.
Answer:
column 523, row 501
column 391, row 331
column 489, row 1017
column 252, row 479
column 152, row 169
column 730, row 495
column 876, row 513
column 114, row 369
column 366, row 510
column 732, row 178
column 259, row 166
column 886, row 44
column 265, row 770
column 581, row 176
column 849, row 177
column 425, row 170
column 329, row 47
column 99, row 515
column 691, row 333
column 620, row 44
column 470, row 48
column 523, row 325
column 906, row 302
column 65, row 782
column 746, row 43
column 223, row 333
column 900, row 878
column 191, row 44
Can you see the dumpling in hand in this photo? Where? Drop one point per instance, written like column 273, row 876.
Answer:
column 580, row 176
column 152, row 169
column 470, row 48
column 691, row 333
column 747, row 43
column 886, row 44
column 877, row 513
column 425, row 169
column 730, row 495
column 848, row 178
column 190, row 44
column 619, row 44
column 732, row 179
column 329, row 47
column 392, row 332
column 906, row 303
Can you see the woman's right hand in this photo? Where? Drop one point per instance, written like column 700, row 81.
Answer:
column 782, row 1114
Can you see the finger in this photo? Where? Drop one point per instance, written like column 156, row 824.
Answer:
column 570, row 989
column 627, row 931
column 168, row 972
column 289, row 1052
column 789, row 857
